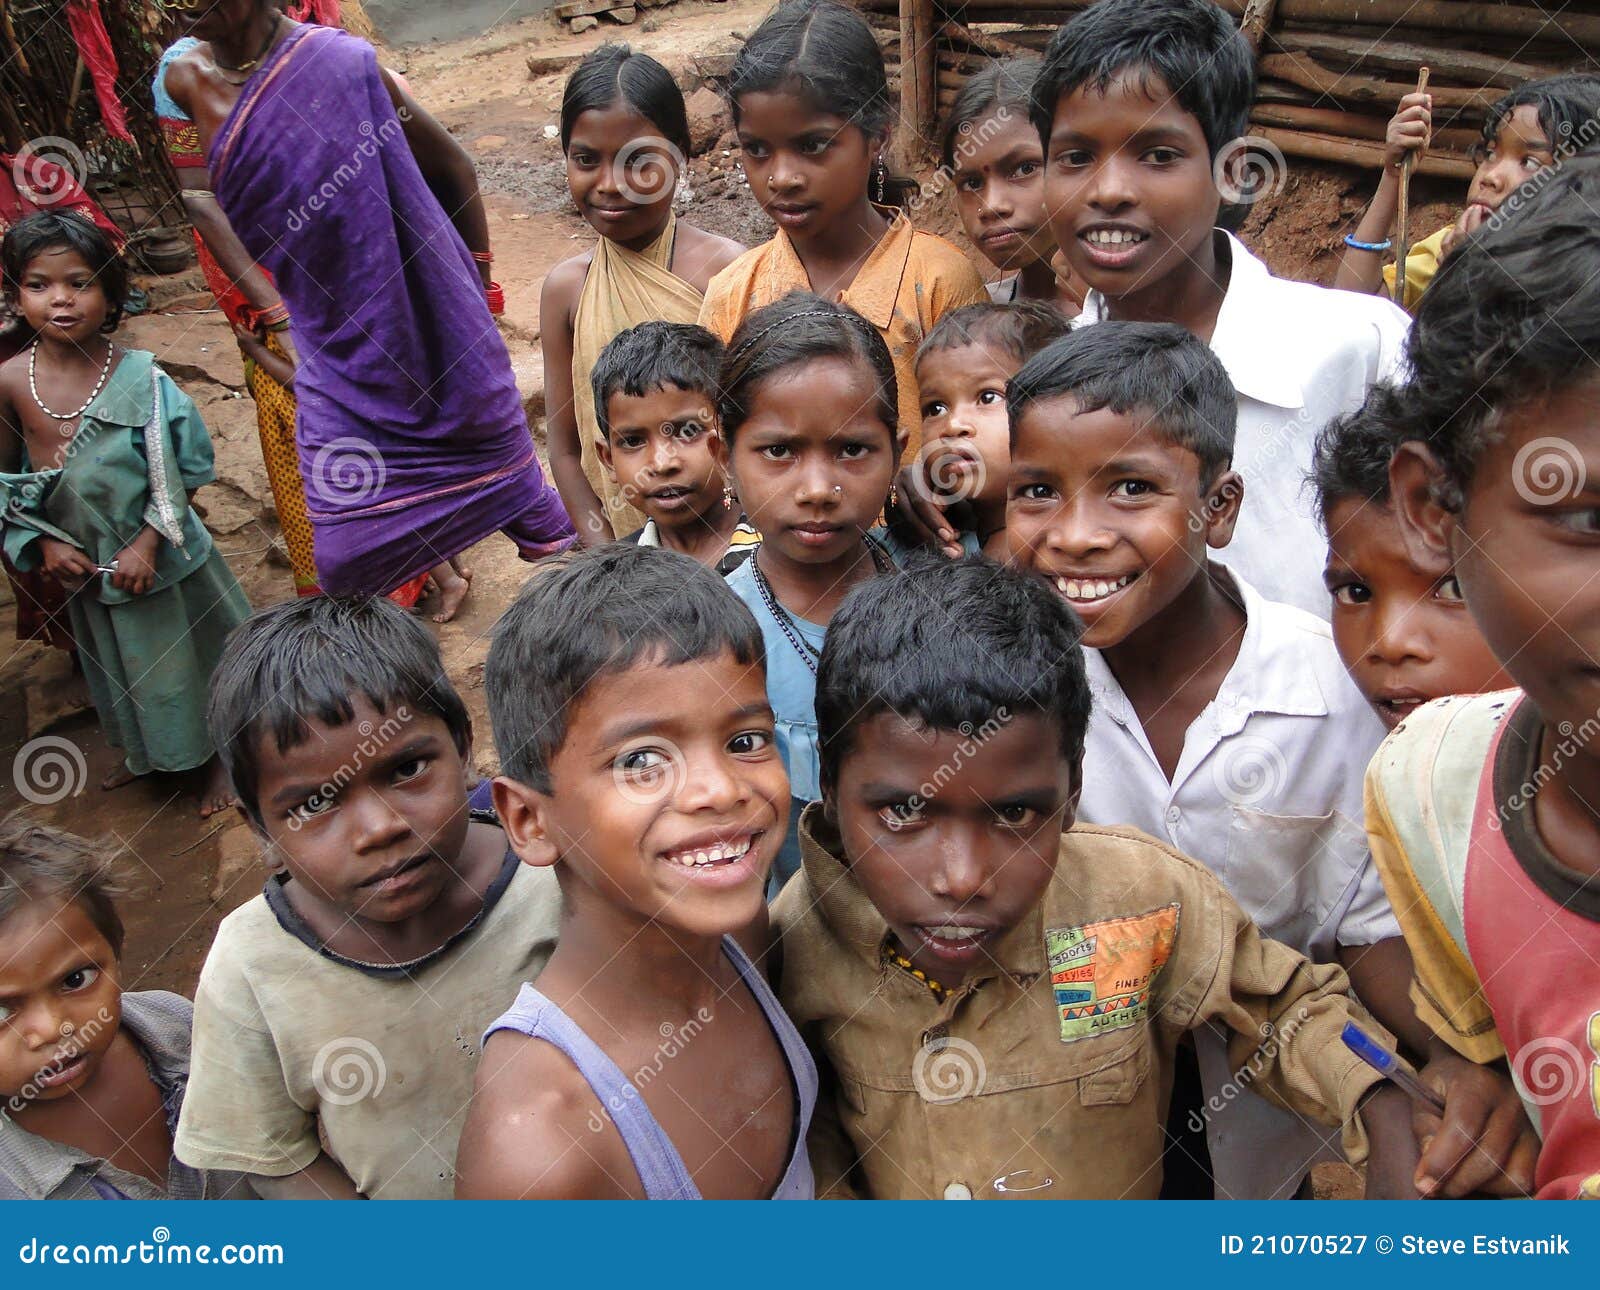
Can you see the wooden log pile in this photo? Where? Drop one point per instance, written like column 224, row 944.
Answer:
column 1331, row 72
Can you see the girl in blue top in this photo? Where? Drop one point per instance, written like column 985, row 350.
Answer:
column 810, row 412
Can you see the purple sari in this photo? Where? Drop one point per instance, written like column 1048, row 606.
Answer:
column 411, row 434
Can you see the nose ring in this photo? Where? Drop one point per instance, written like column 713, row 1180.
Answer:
column 838, row 490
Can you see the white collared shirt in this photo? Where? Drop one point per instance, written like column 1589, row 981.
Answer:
column 1298, row 355
column 1267, row 793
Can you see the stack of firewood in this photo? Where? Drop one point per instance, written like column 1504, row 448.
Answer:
column 1331, row 71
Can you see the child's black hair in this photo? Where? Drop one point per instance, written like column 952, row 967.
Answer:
column 1003, row 85
column 1568, row 108
column 618, row 73
column 650, row 356
column 1019, row 328
column 39, row 861
column 1512, row 318
column 951, row 645
column 1351, row 459
column 1191, row 45
column 594, row 613
column 57, row 230
column 825, row 52
column 1162, row 370
column 801, row 328
column 307, row 660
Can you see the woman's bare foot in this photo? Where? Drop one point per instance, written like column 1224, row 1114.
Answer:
column 217, row 795
column 117, row 778
column 453, row 583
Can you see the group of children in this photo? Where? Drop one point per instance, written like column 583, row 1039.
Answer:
column 1047, row 706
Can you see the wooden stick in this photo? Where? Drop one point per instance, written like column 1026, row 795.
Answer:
column 1403, row 241
column 1257, row 18
column 1358, row 152
column 919, row 85
column 991, row 46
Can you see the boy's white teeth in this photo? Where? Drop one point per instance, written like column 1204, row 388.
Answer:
column 955, row 932
column 722, row 852
column 1114, row 236
column 1091, row 588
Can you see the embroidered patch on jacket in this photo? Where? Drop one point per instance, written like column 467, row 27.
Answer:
column 1102, row 972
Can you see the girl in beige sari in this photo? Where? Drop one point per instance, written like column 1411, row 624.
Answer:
column 626, row 140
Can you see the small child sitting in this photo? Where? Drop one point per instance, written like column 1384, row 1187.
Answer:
column 338, row 1013
column 1530, row 129
column 1403, row 632
column 99, row 455
column 965, row 461
column 655, row 399
column 1224, row 723
column 640, row 769
column 998, row 988
column 92, row 1078
column 1481, row 809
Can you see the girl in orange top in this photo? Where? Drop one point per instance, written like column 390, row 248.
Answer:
column 811, row 106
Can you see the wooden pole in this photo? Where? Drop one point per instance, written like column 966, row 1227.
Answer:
column 1403, row 242
column 1257, row 18
column 919, row 87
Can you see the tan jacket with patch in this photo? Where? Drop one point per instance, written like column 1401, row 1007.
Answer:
column 1050, row 1075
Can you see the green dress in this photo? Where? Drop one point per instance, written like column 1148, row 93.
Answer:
column 139, row 450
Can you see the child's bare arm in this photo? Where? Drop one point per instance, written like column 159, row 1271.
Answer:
column 1381, row 975
column 322, row 1179
column 1408, row 132
column 446, row 167
column 536, row 1131
column 557, row 299
column 11, row 442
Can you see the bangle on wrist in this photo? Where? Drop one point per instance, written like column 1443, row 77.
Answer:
column 1356, row 244
column 483, row 257
column 272, row 317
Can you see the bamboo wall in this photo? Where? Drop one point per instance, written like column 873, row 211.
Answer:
column 1331, row 71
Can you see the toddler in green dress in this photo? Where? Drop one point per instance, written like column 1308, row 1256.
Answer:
column 99, row 455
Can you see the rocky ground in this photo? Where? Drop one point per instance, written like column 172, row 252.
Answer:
column 500, row 94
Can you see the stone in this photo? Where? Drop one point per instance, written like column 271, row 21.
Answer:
column 550, row 64
column 708, row 119
column 584, row 22
column 625, row 15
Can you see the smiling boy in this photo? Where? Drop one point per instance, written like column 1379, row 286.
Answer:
column 1140, row 105
column 655, row 399
column 1224, row 722
column 640, row 769
column 999, row 990
column 338, row 1013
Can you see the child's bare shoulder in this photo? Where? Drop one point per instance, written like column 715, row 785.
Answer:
column 564, row 282
column 536, row 1130
column 702, row 255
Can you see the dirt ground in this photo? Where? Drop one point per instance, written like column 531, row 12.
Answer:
column 191, row 874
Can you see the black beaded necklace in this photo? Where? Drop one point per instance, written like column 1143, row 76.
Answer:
column 881, row 561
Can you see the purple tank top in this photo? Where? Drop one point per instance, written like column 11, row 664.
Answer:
column 661, row 1168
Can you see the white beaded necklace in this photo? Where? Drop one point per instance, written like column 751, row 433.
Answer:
column 33, row 389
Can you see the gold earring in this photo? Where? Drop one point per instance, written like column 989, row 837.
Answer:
column 894, row 497
column 727, row 497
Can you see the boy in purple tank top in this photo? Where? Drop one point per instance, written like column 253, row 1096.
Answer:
column 627, row 689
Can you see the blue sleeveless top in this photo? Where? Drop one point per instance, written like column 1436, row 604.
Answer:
column 661, row 1168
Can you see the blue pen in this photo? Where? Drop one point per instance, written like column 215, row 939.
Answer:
column 1386, row 1063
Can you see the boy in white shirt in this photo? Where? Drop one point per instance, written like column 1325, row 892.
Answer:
column 1141, row 105
column 1224, row 723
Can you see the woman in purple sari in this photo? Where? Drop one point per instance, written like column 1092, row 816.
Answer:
column 412, row 438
